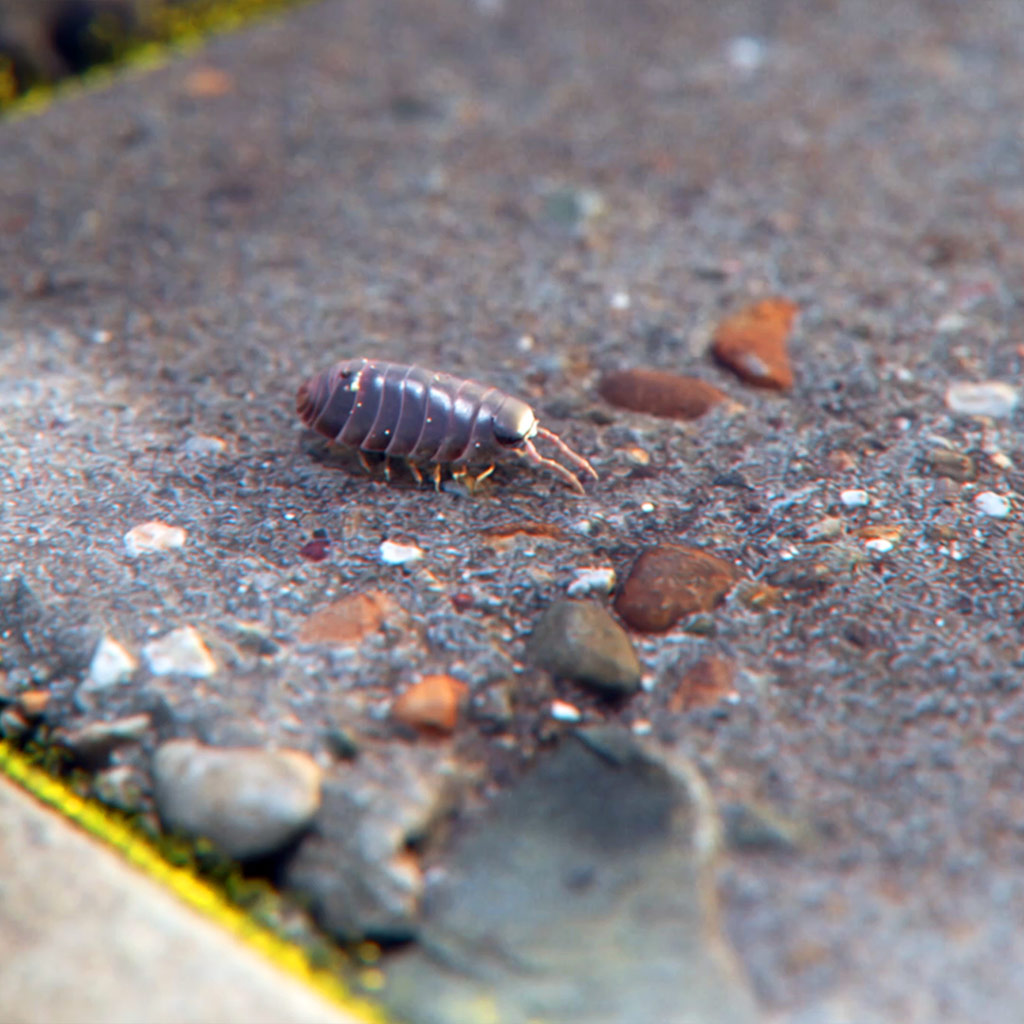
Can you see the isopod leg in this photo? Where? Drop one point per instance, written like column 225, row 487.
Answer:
column 415, row 470
column 528, row 451
column 574, row 457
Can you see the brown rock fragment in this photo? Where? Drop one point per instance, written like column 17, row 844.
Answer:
column 670, row 581
column 347, row 621
column 431, row 705
column 659, row 393
column 704, row 685
column 753, row 343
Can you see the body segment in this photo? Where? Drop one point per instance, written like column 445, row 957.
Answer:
column 412, row 413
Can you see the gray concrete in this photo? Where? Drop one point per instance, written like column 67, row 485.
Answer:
column 85, row 937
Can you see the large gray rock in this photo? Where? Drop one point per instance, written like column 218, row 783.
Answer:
column 249, row 802
column 585, row 896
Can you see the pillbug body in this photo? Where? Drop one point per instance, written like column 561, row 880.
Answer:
column 415, row 414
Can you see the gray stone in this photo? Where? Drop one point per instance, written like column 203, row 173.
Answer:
column 585, row 896
column 355, row 870
column 249, row 802
column 579, row 640
column 93, row 743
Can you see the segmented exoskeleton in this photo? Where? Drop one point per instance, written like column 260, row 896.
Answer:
column 421, row 416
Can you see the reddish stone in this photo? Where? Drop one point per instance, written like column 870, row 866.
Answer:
column 431, row 705
column 316, row 550
column 32, row 703
column 704, row 685
column 670, row 581
column 345, row 622
column 753, row 343
column 659, row 393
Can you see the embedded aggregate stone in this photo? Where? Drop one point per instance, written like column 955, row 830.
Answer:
column 249, row 802
column 670, row 581
column 579, row 640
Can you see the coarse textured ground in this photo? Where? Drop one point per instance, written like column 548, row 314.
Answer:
column 531, row 193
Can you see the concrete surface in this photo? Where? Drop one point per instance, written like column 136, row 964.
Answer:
column 84, row 937
column 530, row 194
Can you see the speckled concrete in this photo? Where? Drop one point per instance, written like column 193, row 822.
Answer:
column 532, row 193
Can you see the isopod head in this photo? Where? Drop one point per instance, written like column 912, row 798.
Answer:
column 513, row 422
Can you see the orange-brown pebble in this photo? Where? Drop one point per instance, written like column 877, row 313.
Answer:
column 431, row 705
column 670, row 581
column 659, row 393
column 704, row 685
column 32, row 703
column 207, row 83
column 753, row 343
column 347, row 621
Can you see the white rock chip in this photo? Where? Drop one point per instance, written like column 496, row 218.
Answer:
column 563, row 711
column 180, row 652
column 399, row 554
column 989, row 503
column 202, row 445
column 987, row 398
column 592, row 581
column 249, row 802
column 854, row 498
column 153, row 536
column 110, row 664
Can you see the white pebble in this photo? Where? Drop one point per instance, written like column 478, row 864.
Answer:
column 745, row 53
column 621, row 301
column 563, row 711
column 153, row 536
column 592, row 581
column 202, row 445
column 991, row 504
column 399, row 554
column 854, row 498
column 880, row 545
column 951, row 323
column 647, row 506
column 641, row 727
column 986, row 398
column 110, row 664
column 180, row 652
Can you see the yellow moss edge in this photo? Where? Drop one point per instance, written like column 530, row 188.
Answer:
column 147, row 54
column 198, row 894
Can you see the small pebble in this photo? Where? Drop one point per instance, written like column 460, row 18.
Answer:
column 854, row 498
column 32, row 703
column 704, row 685
column 579, row 640
column 991, row 504
column 111, row 664
column 249, row 802
column 952, row 465
column 620, row 301
column 659, row 393
column 753, row 343
column 746, row 53
column 347, row 621
column 202, row 446
column 13, row 724
column 670, row 581
column 825, row 529
column 588, row 582
column 432, row 704
column 563, row 711
column 180, row 652
column 315, row 550
column 399, row 554
column 120, row 786
column 880, row 545
column 153, row 536
column 95, row 742
column 990, row 398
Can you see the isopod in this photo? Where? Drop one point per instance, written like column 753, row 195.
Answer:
column 422, row 416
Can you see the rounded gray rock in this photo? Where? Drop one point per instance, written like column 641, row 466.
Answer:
column 249, row 802
column 579, row 640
